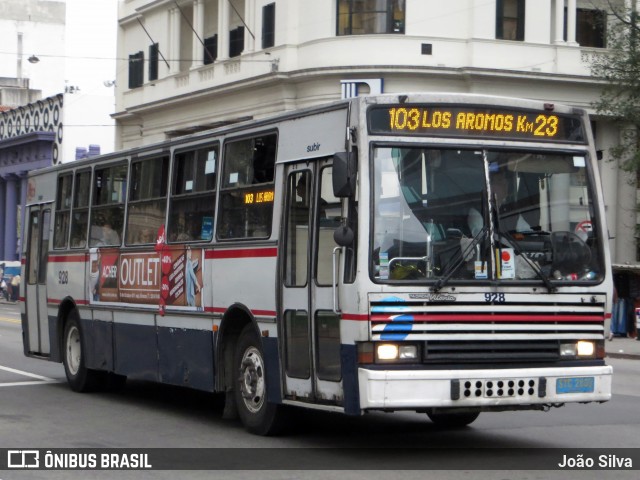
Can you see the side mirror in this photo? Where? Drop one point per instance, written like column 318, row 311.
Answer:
column 344, row 174
column 343, row 236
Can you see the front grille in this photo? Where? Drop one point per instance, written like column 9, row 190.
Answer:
column 474, row 351
column 526, row 329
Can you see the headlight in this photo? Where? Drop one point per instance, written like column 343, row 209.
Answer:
column 390, row 352
column 585, row 348
column 581, row 348
column 387, row 351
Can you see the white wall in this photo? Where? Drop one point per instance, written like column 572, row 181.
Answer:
column 43, row 33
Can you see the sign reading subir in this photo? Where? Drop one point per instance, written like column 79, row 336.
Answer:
column 490, row 122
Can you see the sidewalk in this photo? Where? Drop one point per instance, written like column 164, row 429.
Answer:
column 622, row 347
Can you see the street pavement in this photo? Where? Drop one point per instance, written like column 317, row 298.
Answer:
column 623, row 347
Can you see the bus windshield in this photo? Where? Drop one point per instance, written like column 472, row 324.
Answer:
column 478, row 215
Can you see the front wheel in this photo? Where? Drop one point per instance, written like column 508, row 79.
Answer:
column 80, row 378
column 453, row 419
column 256, row 413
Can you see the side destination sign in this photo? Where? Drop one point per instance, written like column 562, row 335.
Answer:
column 475, row 122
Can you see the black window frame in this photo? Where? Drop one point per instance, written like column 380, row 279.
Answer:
column 154, row 53
column 393, row 26
column 136, row 70
column 236, row 41
column 268, row 25
column 210, row 49
column 592, row 18
column 520, row 20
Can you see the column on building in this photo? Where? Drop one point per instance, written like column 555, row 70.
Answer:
column 607, row 137
column 223, row 29
column 537, row 21
column 627, row 209
column 571, row 22
column 249, row 18
column 10, row 224
column 174, row 40
column 197, row 48
column 559, row 30
column 2, row 217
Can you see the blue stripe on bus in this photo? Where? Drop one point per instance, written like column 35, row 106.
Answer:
column 402, row 318
column 393, row 300
column 387, row 309
column 397, row 331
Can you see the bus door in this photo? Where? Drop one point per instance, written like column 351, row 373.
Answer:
column 39, row 218
column 307, row 324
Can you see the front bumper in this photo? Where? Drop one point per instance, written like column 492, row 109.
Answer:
column 417, row 389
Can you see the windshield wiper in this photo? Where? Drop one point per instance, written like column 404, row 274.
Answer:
column 460, row 259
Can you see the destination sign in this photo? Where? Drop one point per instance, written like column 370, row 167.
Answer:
column 252, row 198
column 489, row 122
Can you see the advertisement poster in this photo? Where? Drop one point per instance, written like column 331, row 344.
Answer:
column 170, row 276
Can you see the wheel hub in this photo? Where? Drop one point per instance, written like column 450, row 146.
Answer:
column 252, row 383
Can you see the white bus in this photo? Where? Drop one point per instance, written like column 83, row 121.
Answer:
column 439, row 253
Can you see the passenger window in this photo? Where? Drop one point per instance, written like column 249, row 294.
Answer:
column 80, row 213
column 247, row 191
column 147, row 199
column 193, row 195
column 107, row 212
column 63, row 211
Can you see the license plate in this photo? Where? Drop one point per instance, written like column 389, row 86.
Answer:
column 575, row 385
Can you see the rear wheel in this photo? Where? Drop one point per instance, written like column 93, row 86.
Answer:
column 80, row 378
column 453, row 419
column 256, row 413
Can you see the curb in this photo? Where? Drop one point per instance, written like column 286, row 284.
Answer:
column 628, row 356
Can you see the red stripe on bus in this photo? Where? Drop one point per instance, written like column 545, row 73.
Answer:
column 487, row 318
column 242, row 253
column 355, row 316
column 68, row 258
column 261, row 313
column 271, row 313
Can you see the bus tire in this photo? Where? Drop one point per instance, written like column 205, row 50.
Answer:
column 452, row 419
column 79, row 377
column 257, row 414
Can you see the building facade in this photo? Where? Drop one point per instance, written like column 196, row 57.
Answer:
column 193, row 64
column 51, row 104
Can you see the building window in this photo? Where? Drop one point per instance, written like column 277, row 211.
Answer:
column 269, row 25
column 590, row 27
column 358, row 17
column 210, row 49
column 510, row 19
column 153, row 61
column 136, row 70
column 236, row 41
